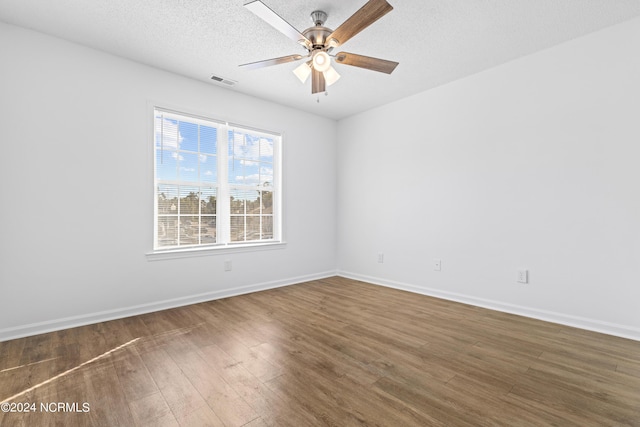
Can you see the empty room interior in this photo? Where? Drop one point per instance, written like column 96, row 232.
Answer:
column 307, row 213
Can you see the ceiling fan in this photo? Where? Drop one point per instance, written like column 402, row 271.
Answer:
column 319, row 41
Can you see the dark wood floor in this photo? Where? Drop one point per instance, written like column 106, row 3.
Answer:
column 331, row 352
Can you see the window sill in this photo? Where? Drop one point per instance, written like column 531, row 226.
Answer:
column 212, row 250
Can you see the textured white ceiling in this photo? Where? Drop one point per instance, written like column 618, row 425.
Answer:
column 435, row 41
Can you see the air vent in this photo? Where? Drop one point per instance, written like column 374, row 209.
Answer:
column 223, row 80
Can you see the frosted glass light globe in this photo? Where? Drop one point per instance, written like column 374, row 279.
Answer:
column 321, row 61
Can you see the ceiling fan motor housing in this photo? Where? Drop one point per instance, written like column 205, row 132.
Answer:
column 318, row 34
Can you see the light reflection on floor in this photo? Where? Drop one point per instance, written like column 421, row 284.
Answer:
column 28, row 364
column 67, row 372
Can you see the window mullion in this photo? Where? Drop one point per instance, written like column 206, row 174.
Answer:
column 179, row 222
column 276, row 188
column 223, row 208
column 199, row 189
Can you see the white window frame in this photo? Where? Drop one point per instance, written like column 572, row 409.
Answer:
column 223, row 211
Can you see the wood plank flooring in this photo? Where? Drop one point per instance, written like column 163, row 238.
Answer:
column 334, row 352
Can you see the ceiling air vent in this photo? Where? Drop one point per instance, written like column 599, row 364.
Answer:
column 223, row 80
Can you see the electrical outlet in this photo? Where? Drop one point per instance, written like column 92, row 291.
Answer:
column 437, row 264
column 227, row 265
column 380, row 258
column 523, row 276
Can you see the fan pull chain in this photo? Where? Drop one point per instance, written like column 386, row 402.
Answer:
column 326, row 93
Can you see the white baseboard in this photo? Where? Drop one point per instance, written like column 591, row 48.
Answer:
column 103, row 316
column 562, row 319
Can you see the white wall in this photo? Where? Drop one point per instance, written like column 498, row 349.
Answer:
column 77, row 191
column 530, row 165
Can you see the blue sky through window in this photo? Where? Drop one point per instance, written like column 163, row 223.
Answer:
column 185, row 151
column 250, row 159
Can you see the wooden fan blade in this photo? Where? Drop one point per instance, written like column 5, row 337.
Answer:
column 273, row 61
column 317, row 82
column 375, row 64
column 270, row 17
column 365, row 16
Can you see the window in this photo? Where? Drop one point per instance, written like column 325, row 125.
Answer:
column 216, row 184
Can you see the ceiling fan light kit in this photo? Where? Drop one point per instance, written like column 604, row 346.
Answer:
column 303, row 71
column 331, row 76
column 319, row 41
